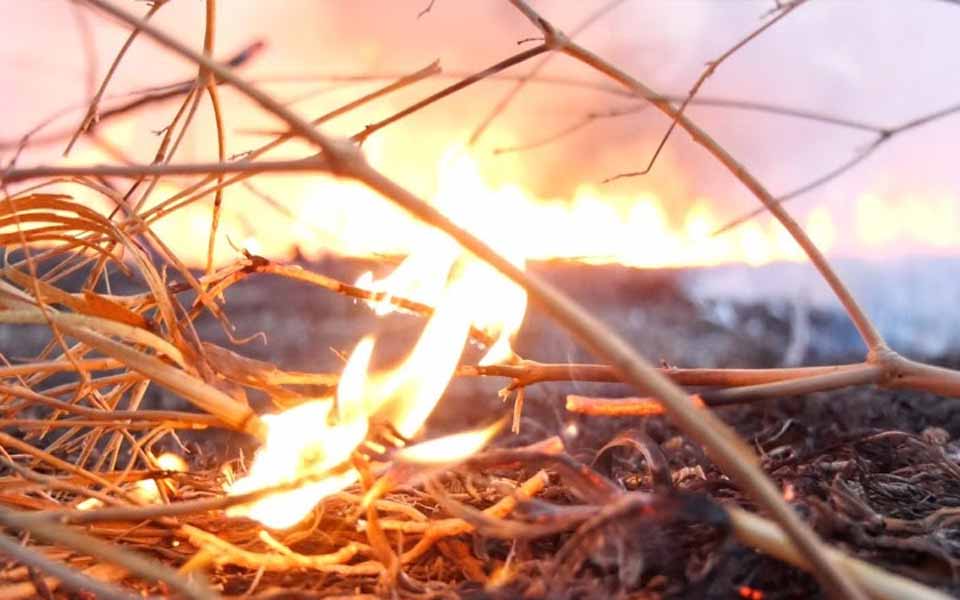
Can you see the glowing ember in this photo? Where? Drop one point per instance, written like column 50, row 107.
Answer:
column 147, row 489
column 89, row 504
column 169, row 461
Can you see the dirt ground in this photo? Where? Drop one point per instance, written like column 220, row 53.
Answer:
column 876, row 472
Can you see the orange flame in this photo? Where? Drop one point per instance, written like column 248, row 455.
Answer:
column 316, row 439
column 595, row 226
column 308, row 441
column 421, row 276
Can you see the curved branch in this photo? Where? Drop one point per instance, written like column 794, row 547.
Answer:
column 868, row 332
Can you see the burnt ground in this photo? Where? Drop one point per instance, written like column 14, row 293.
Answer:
column 876, row 472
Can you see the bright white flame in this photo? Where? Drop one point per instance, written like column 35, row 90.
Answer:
column 300, row 443
column 498, row 305
column 304, row 442
column 449, row 448
column 89, row 504
column 408, row 396
column 351, row 391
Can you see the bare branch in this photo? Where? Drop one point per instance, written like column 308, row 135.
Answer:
column 528, row 372
column 314, row 165
column 748, row 105
column 426, row 9
column 70, row 578
column 91, row 116
column 730, row 452
column 839, row 378
column 884, row 135
column 500, row 66
column 210, row 83
column 784, row 10
column 514, row 91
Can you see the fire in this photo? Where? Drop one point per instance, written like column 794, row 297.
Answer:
column 308, row 441
column 147, row 490
column 462, row 197
column 315, row 440
column 311, row 445
column 595, row 224
column 450, row 448
column 406, row 397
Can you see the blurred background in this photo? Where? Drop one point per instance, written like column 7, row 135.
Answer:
column 879, row 63
column 534, row 179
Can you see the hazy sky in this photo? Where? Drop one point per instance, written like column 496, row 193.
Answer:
column 879, row 61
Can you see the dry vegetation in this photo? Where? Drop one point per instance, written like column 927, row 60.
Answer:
column 87, row 437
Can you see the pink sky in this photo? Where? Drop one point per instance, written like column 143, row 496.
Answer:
column 881, row 62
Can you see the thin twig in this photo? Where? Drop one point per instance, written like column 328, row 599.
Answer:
column 155, row 416
column 298, row 273
column 528, row 372
column 313, row 164
column 91, row 546
column 210, row 83
column 783, row 11
column 883, row 135
column 426, row 9
column 91, row 116
column 518, row 86
column 748, row 105
column 474, row 78
column 69, row 577
column 620, row 407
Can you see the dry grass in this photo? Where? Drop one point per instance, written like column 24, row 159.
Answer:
column 88, row 437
